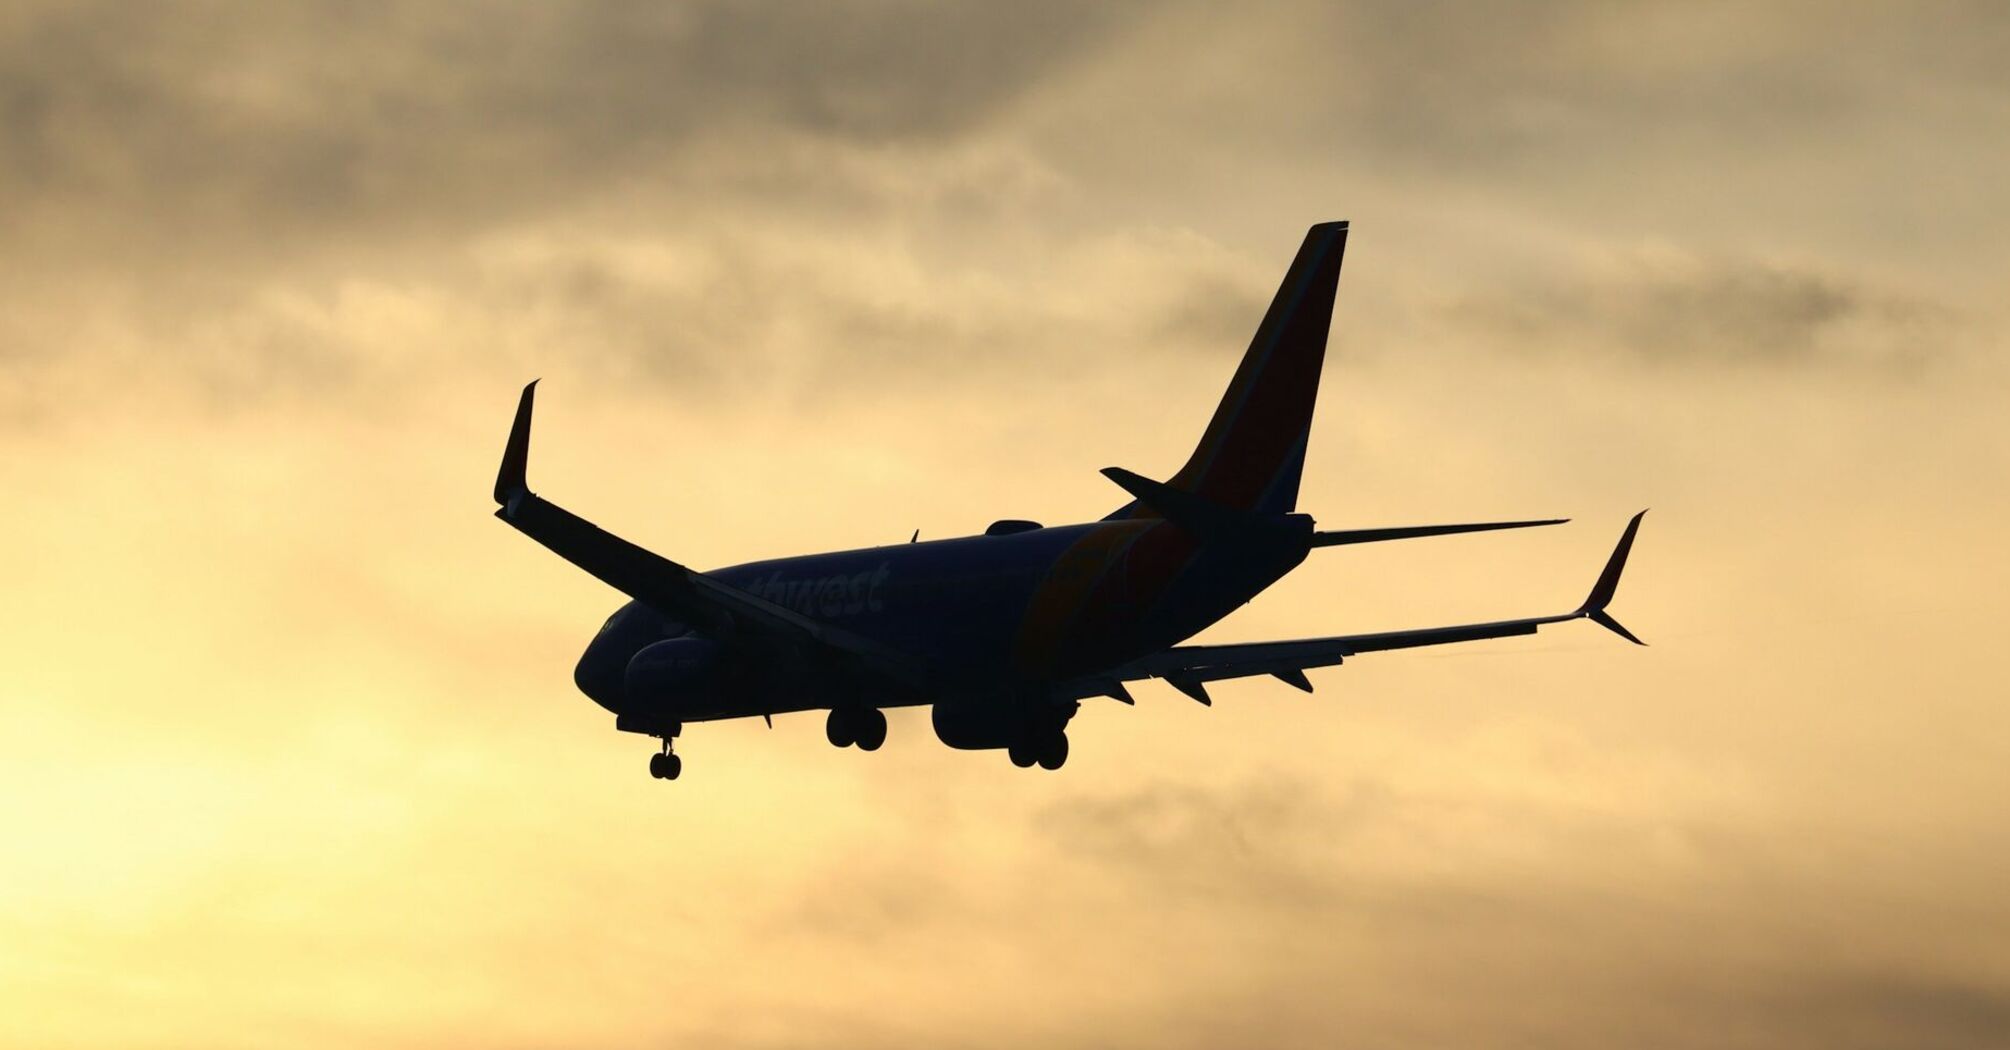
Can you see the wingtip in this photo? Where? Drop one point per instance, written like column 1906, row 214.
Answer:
column 510, row 479
column 1608, row 583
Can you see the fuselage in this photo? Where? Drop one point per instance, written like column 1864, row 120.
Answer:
column 1025, row 607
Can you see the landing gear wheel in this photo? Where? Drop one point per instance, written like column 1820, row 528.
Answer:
column 1054, row 751
column 838, row 729
column 871, row 729
column 1022, row 755
column 665, row 765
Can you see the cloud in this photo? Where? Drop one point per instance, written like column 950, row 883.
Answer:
column 1673, row 308
column 201, row 122
column 299, row 755
column 728, row 306
column 1918, row 1010
column 713, row 198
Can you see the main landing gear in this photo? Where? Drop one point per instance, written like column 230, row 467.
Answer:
column 666, row 765
column 864, row 726
column 1043, row 736
column 1049, row 750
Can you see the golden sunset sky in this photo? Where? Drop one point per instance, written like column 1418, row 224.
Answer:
column 292, row 755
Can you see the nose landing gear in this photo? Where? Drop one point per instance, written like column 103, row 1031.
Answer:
column 666, row 765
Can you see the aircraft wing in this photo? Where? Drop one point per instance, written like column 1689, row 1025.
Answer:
column 665, row 586
column 1189, row 668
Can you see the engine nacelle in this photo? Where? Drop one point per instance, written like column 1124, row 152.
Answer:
column 978, row 723
column 663, row 672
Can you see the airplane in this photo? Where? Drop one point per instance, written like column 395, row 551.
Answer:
column 1004, row 635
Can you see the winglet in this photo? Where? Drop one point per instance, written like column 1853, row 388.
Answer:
column 516, row 454
column 1593, row 608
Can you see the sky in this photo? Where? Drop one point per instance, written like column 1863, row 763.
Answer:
column 294, row 757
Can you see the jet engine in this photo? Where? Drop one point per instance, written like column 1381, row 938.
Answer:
column 668, row 670
column 978, row 723
column 1032, row 732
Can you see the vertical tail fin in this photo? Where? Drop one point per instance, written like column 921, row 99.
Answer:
column 1253, row 452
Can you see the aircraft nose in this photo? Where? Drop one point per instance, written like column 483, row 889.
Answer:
column 603, row 667
column 599, row 674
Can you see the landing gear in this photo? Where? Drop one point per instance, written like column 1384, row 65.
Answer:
column 1047, row 750
column 871, row 727
column 667, row 765
column 1054, row 751
column 1042, row 738
column 837, row 728
column 864, row 726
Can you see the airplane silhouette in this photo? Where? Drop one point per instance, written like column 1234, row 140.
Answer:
column 1004, row 634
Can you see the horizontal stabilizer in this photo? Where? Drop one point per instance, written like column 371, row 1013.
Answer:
column 1410, row 532
column 1194, row 513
